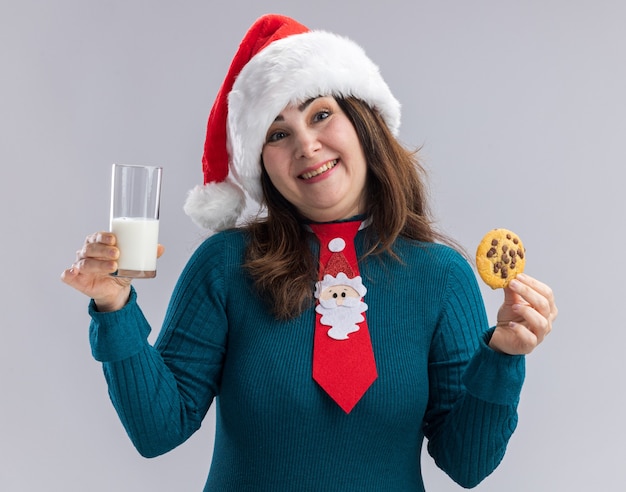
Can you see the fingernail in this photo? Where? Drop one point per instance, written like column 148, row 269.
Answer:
column 104, row 238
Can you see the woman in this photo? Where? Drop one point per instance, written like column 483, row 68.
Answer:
column 336, row 331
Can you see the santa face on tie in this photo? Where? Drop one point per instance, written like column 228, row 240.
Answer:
column 340, row 304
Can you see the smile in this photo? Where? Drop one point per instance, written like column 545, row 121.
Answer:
column 320, row 170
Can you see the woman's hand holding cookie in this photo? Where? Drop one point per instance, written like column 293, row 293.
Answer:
column 525, row 317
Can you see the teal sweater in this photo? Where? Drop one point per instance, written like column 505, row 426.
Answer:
column 277, row 430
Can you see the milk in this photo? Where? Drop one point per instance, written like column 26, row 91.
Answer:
column 137, row 240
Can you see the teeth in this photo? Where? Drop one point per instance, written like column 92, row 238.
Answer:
column 323, row 169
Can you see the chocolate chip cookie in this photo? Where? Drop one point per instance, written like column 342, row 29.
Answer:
column 500, row 257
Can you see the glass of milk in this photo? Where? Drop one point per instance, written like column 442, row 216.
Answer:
column 135, row 201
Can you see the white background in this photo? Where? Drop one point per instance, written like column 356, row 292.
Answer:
column 519, row 107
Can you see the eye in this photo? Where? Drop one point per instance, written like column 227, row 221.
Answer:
column 321, row 115
column 276, row 136
column 335, row 295
column 343, row 294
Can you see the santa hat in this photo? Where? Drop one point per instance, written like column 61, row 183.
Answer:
column 278, row 62
column 337, row 261
column 338, row 270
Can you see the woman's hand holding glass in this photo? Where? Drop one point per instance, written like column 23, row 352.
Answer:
column 91, row 272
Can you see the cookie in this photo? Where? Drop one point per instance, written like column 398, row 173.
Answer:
column 500, row 256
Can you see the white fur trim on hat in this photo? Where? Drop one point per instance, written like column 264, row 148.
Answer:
column 341, row 279
column 291, row 70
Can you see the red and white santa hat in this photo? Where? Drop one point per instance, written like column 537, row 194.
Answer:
column 338, row 270
column 279, row 62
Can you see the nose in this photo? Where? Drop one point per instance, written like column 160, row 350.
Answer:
column 307, row 143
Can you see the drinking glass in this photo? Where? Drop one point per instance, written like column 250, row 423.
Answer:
column 135, row 202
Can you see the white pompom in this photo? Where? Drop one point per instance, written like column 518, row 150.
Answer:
column 215, row 206
column 336, row 245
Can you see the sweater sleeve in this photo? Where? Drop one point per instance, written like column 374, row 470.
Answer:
column 474, row 391
column 162, row 393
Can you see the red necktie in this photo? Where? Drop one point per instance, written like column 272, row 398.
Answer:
column 343, row 359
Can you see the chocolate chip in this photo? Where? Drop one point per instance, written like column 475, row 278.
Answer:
column 505, row 248
column 492, row 252
column 494, row 242
column 508, row 236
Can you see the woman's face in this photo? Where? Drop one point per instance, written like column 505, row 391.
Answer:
column 313, row 157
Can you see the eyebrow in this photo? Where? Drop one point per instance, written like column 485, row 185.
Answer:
column 306, row 103
column 301, row 108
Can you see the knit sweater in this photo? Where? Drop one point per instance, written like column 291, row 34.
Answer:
column 277, row 430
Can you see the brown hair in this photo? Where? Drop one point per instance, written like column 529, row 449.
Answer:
column 278, row 256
